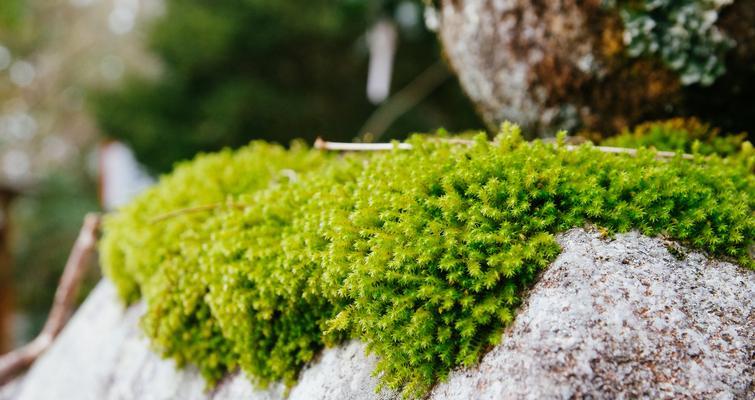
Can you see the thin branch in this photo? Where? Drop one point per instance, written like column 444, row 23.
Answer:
column 16, row 361
column 196, row 209
column 339, row 146
column 622, row 150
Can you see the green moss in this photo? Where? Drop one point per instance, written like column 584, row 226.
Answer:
column 422, row 254
column 679, row 134
column 153, row 254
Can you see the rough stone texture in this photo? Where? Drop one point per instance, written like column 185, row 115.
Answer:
column 549, row 65
column 619, row 318
column 101, row 354
column 624, row 319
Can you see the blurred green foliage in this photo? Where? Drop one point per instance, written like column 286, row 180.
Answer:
column 54, row 193
column 46, row 222
column 272, row 69
column 20, row 22
column 11, row 12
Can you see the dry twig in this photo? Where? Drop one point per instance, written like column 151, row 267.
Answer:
column 339, row 146
column 633, row 152
column 16, row 361
column 321, row 144
column 196, row 209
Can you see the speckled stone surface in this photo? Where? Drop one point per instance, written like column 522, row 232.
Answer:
column 611, row 318
column 624, row 319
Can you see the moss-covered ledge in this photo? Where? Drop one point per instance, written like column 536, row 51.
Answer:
column 260, row 257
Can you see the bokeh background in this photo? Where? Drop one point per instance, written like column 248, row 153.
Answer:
column 170, row 78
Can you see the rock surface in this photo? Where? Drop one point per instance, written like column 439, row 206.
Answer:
column 10, row 390
column 619, row 318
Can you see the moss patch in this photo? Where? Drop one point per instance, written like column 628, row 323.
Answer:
column 422, row 254
column 679, row 134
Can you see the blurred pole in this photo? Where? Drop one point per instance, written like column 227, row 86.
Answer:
column 404, row 100
column 121, row 176
column 381, row 39
column 6, row 273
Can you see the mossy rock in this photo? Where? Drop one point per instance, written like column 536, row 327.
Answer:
column 256, row 259
column 603, row 65
column 611, row 317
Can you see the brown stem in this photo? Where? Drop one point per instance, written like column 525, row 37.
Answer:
column 16, row 361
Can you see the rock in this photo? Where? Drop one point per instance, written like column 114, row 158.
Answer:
column 619, row 318
column 550, row 65
column 624, row 319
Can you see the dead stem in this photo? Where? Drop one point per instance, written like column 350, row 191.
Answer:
column 196, row 209
column 340, row 146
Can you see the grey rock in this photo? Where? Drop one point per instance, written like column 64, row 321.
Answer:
column 611, row 318
column 620, row 319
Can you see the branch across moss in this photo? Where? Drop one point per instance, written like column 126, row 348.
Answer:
column 423, row 254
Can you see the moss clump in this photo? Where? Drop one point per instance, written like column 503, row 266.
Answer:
column 149, row 252
column 679, row 134
column 422, row 254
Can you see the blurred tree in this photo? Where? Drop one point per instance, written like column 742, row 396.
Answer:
column 236, row 70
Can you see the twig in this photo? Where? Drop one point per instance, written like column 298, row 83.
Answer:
column 16, row 361
column 339, row 146
column 195, row 209
column 622, row 150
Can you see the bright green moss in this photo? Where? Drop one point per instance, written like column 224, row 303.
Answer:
column 422, row 254
column 150, row 253
column 679, row 134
